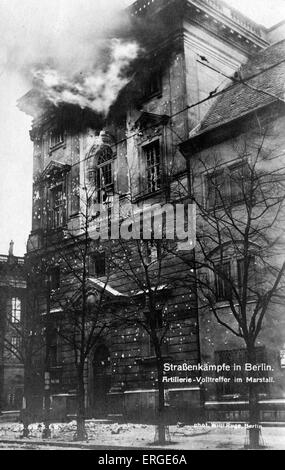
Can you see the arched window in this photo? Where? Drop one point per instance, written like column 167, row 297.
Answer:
column 100, row 171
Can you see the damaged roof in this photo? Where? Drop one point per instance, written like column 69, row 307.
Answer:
column 241, row 99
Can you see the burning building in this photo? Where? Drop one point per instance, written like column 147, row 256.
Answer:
column 114, row 134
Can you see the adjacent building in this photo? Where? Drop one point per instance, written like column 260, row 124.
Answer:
column 237, row 153
column 12, row 305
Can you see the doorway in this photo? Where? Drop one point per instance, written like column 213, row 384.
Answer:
column 101, row 368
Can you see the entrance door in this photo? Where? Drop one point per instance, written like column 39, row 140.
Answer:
column 101, row 381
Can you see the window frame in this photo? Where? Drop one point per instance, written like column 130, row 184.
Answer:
column 153, row 185
column 253, row 274
column 56, row 139
column 93, row 264
column 98, row 168
column 153, row 85
column 16, row 343
column 219, row 280
column 16, row 318
column 58, row 211
column 225, row 195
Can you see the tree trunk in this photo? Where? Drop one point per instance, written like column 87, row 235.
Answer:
column 81, row 434
column 254, row 428
column 47, row 405
column 161, row 434
column 1, row 383
column 27, row 402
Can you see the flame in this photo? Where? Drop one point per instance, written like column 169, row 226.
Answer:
column 97, row 88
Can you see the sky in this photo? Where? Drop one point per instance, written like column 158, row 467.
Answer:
column 28, row 31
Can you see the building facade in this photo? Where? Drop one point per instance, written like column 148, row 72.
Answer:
column 13, row 296
column 240, row 139
column 133, row 155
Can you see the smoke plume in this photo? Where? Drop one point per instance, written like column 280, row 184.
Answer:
column 96, row 89
column 66, row 48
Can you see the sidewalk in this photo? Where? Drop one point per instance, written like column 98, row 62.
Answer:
column 134, row 436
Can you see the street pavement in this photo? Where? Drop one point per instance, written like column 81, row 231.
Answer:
column 130, row 436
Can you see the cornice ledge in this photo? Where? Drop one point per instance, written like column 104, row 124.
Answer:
column 228, row 18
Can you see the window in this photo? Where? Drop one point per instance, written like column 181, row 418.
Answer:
column 16, row 343
column 153, row 85
column 252, row 273
column 155, row 322
column 56, row 138
column 16, row 310
column 222, row 281
column 54, row 278
column 215, row 189
column 97, row 264
column 58, row 207
column 226, row 186
column 104, row 174
column 150, row 251
column 100, row 172
column 53, row 349
column 239, row 358
column 154, row 319
column 153, row 166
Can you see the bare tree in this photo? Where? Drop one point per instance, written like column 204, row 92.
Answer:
column 86, row 316
column 144, row 266
column 240, row 213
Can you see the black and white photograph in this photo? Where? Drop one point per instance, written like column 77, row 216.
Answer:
column 142, row 241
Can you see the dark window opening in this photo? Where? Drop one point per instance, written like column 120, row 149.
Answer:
column 154, row 319
column 56, row 138
column 53, row 354
column 153, row 85
column 222, row 282
column 54, row 348
column 97, row 264
column 54, row 278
